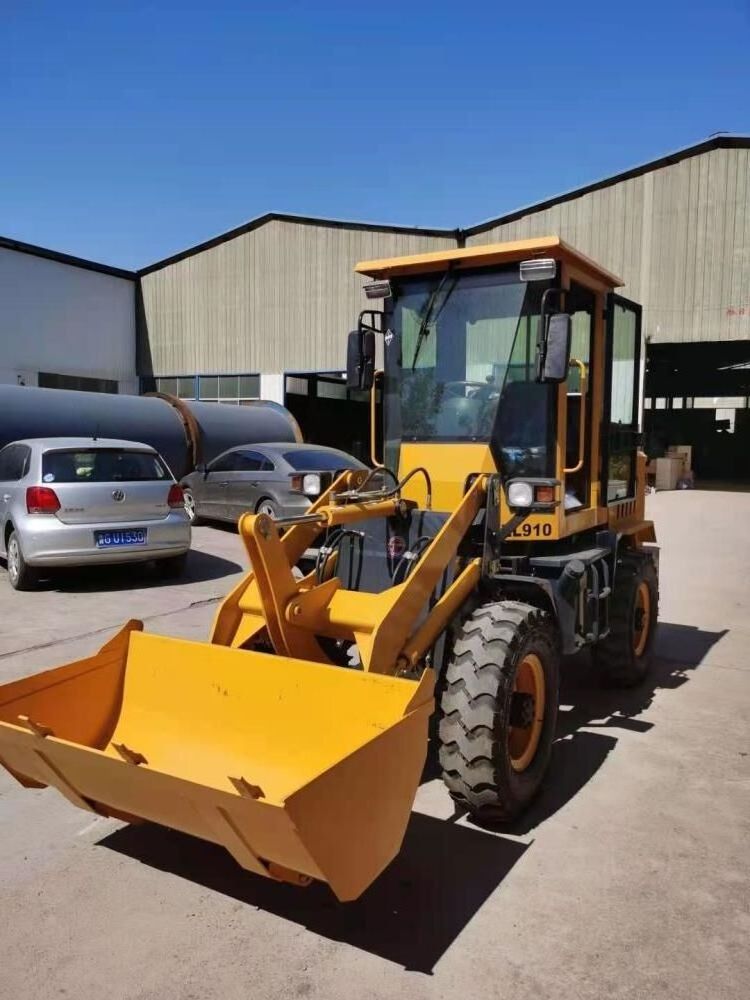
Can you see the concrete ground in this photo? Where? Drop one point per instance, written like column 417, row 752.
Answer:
column 629, row 878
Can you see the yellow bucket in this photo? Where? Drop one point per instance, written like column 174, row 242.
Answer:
column 301, row 770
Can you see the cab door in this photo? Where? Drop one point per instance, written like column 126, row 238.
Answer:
column 577, row 471
column 621, row 427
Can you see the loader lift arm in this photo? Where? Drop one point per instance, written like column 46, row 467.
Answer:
column 294, row 611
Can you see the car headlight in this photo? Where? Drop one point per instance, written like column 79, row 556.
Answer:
column 520, row 495
column 311, row 484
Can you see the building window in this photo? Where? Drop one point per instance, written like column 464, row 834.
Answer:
column 50, row 380
column 237, row 389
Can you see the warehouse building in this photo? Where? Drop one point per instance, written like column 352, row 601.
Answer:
column 263, row 310
column 677, row 231
column 65, row 323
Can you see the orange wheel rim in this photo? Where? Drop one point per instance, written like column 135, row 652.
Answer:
column 523, row 739
column 641, row 618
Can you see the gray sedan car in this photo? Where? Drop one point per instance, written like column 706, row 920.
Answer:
column 277, row 479
column 83, row 501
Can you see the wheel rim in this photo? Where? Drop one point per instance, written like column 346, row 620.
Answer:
column 641, row 618
column 13, row 559
column 523, row 738
column 189, row 504
column 267, row 508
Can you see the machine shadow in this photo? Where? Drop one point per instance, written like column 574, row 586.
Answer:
column 410, row 915
column 201, row 567
column 446, row 870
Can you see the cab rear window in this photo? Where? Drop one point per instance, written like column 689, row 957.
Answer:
column 102, row 465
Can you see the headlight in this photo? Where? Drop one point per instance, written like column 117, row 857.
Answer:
column 311, row 484
column 520, row 495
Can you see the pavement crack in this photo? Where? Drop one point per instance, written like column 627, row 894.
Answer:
column 107, row 628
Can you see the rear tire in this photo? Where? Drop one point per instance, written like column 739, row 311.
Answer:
column 499, row 709
column 624, row 657
column 190, row 509
column 20, row 574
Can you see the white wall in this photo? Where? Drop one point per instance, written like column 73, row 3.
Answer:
column 59, row 318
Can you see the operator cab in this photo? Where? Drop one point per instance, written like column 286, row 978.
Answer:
column 494, row 360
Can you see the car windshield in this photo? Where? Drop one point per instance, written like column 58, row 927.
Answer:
column 102, row 465
column 310, row 460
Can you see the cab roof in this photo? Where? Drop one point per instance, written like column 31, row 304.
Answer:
column 485, row 256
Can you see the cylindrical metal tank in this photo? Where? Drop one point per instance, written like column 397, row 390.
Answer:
column 222, row 426
column 184, row 432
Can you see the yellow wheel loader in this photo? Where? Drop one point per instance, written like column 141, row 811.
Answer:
column 501, row 527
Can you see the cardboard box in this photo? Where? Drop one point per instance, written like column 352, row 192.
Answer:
column 683, row 452
column 668, row 471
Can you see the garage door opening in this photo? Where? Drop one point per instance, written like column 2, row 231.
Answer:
column 331, row 414
column 699, row 395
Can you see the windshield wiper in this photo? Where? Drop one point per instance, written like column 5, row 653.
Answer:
column 427, row 317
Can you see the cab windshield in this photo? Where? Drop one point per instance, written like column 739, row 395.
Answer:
column 461, row 365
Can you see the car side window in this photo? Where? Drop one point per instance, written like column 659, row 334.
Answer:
column 225, row 463
column 14, row 462
column 267, row 466
column 250, row 461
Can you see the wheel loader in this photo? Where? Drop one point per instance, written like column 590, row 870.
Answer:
column 500, row 529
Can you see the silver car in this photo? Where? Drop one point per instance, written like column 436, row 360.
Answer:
column 277, row 479
column 83, row 501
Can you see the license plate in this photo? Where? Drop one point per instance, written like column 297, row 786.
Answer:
column 114, row 539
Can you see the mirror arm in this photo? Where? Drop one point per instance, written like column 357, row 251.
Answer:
column 377, row 375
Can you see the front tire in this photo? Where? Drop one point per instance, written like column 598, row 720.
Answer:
column 624, row 657
column 267, row 506
column 499, row 709
column 20, row 574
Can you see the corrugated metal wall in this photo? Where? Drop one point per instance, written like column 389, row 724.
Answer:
column 679, row 236
column 281, row 297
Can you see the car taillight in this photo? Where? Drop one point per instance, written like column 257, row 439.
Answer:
column 41, row 500
column 175, row 497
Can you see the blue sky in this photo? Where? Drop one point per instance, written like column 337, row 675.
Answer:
column 130, row 130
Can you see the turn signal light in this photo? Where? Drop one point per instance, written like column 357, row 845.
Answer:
column 41, row 500
column 175, row 497
column 544, row 494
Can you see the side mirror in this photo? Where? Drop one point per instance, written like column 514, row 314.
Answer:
column 555, row 357
column 200, row 467
column 360, row 359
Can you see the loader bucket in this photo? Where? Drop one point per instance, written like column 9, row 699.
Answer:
column 301, row 770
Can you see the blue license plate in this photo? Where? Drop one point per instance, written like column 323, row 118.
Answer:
column 115, row 539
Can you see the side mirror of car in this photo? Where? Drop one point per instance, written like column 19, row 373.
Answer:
column 555, row 357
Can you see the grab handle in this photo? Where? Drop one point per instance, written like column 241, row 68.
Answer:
column 582, row 421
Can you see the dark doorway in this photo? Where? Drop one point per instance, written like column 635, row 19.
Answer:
column 697, row 394
column 330, row 414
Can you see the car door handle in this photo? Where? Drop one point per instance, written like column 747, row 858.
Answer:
column 223, row 484
column 6, row 496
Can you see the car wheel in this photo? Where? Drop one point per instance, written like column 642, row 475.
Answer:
column 190, row 507
column 21, row 575
column 267, row 506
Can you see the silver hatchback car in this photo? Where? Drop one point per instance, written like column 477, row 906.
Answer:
column 83, row 501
